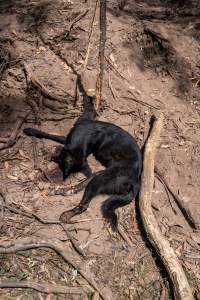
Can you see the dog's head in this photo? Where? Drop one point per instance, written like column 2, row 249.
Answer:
column 68, row 161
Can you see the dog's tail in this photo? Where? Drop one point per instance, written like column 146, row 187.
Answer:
column 111, row 204
column 89, row 112
column 43, row 135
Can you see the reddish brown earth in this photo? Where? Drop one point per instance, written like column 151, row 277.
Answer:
column 152, row 64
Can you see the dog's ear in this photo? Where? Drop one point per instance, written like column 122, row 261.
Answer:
column 56, row 156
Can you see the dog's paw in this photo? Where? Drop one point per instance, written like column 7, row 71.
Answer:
column 66, row 216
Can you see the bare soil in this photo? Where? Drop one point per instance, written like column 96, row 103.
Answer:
column 152, row 63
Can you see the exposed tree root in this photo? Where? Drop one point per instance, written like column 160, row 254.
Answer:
column 57, row 246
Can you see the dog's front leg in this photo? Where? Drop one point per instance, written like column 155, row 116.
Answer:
column 86, row 170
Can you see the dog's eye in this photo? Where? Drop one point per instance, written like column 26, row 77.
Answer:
column 69, row 160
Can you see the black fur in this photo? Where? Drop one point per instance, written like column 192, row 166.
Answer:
column 113, row 147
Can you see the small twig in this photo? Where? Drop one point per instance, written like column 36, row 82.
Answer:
column 124, row 235
column 84, row 220
column 115, row 69
column 65, row 35
column 167, row 191
column 56, row 245
column 43, row 173
column 112, row 90
column 72, row 240
column 43, row 287
column 182, row 290
column 121, row 112
column 78, row 18
column 12, row 139
column 141, row 102
column 183, row 206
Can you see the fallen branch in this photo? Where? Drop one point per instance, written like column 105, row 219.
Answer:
column 56, row 245
column 183, row 206
column 13, row 137
column 43, row 287
column 182, row 290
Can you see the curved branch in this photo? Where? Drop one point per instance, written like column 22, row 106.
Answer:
column 182, row 290
column 57, row 246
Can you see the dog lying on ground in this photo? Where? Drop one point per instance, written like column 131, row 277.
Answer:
column 113, row 147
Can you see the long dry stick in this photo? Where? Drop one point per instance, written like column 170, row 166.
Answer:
column 102, row 42
column 182, row 290
column 90, row 36
column 58, row 247
column 43, row 287
column 183, row 206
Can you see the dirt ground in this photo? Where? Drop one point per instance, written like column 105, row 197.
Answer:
column 152, row 64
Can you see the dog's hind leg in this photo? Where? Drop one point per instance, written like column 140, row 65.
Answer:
column 43, row 135
column 111, row 204
column 106, row 182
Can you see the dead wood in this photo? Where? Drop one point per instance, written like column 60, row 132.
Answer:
column 102, row 41
column 182, row 290
column 13, row 137
column 43, row 287
column 183, row 206
column 56, row 245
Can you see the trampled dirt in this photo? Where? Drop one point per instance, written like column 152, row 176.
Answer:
column 152, row 64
